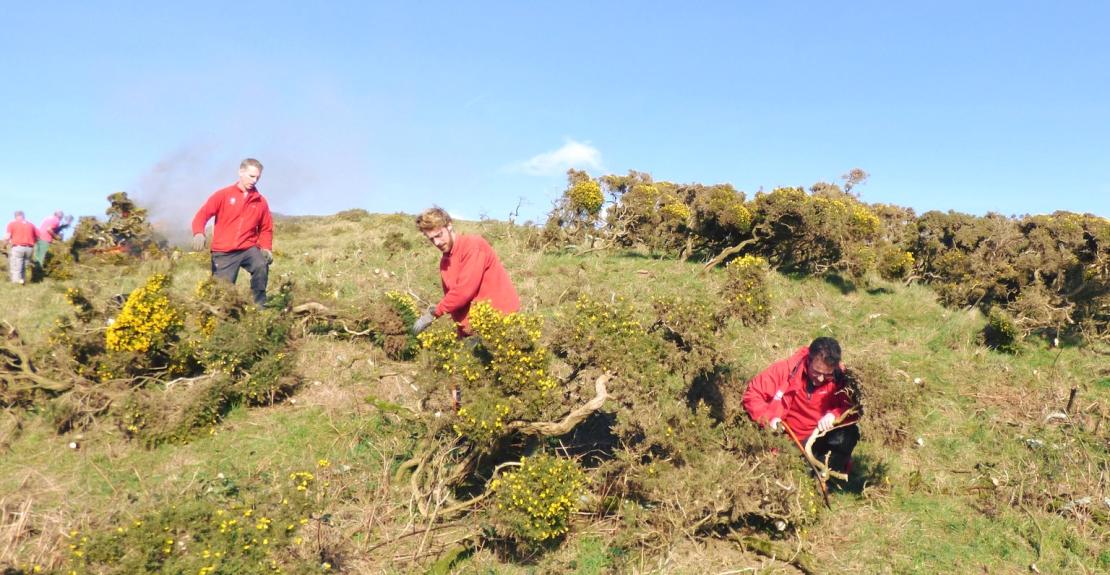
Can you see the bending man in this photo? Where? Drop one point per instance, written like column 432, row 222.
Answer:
column 470, row 271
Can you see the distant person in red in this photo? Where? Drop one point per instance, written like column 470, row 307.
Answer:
column 20, row 237
column 806, row 391
column 244, row 231
column 470, row 271
column 49, row 230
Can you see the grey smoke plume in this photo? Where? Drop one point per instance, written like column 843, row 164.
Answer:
column 175, row 187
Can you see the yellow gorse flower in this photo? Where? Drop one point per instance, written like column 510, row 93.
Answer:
column 147, row 319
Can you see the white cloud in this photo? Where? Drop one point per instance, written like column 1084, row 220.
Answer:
column 572, row 155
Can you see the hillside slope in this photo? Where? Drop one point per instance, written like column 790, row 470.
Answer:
column 991, row 477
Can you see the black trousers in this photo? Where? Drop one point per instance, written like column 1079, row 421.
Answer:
column 838, row 445
column 225, row 266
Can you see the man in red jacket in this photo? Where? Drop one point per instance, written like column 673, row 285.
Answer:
column 20, row 236
column 806, row 392
column 244, row 232
column 470, row 272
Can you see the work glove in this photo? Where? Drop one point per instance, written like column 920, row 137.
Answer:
column 774, row 424
column 423, row 321
column 826, row 422
column 269, row 255
column 198, row 242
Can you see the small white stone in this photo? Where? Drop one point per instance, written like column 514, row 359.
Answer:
column 917, row 381
column 73, row 445
column 920, row 441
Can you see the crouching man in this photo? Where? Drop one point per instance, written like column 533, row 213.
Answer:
column 805, row 394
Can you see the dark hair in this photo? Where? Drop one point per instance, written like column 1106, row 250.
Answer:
column 826, row 349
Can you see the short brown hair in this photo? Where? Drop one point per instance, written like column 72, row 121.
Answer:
column 250, row 162
column 433, row 218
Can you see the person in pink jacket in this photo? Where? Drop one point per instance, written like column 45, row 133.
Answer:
column 469, row 270
column 244, row 232
column 806, row 392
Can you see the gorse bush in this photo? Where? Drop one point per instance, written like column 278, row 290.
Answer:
column 895, row 263
column 691, row 326
column 585, row 197
column 391, row 320
column 515, row 359
column 154, row 416
column 145, row 338
column 483, row 419
column 1000, row 332
column 1058, row 261
column 221, row 531
column 576, row 212
column 745, row 291
column 534, row 502
column 147, row 322
column 502, row 371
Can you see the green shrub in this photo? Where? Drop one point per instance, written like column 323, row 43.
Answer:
column 745, row 290
column 1000, row 332
column 535, row 502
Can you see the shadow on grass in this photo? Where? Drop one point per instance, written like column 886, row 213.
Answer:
column 866, row 470
column 841, row 283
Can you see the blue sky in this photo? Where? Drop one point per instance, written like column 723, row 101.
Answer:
column 479, row 106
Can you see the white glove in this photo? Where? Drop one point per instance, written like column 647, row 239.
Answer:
column 774, row 425
column 269, row 255
column 826, row 422
column 198, row 242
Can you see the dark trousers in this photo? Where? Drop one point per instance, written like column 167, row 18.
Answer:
column 225, row 266
column 838, row 445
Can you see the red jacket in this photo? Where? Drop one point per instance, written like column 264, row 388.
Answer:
column 780, row 391
column 243, row 220
column 472, row 272
column 22, row 233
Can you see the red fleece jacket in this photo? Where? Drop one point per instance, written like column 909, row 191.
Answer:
column 472, row 272
column 22, row 233
column 243, row 220
column 780, row 391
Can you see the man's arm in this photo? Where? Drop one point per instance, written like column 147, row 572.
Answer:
column 205, row 213
column 266, row 228
column 763, row 400
column 472, row 264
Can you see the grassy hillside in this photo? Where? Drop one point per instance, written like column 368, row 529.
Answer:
column 990, row 479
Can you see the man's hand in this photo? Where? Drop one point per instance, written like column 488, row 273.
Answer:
column 424, row 321
column 269, row 255
column 826, row 422
column 774, row 424
column 198, row 242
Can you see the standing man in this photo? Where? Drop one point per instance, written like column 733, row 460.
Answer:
column 50, row 230
column 806, row 393
column 21, row 237
column 470, row 271
column 244, row 231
